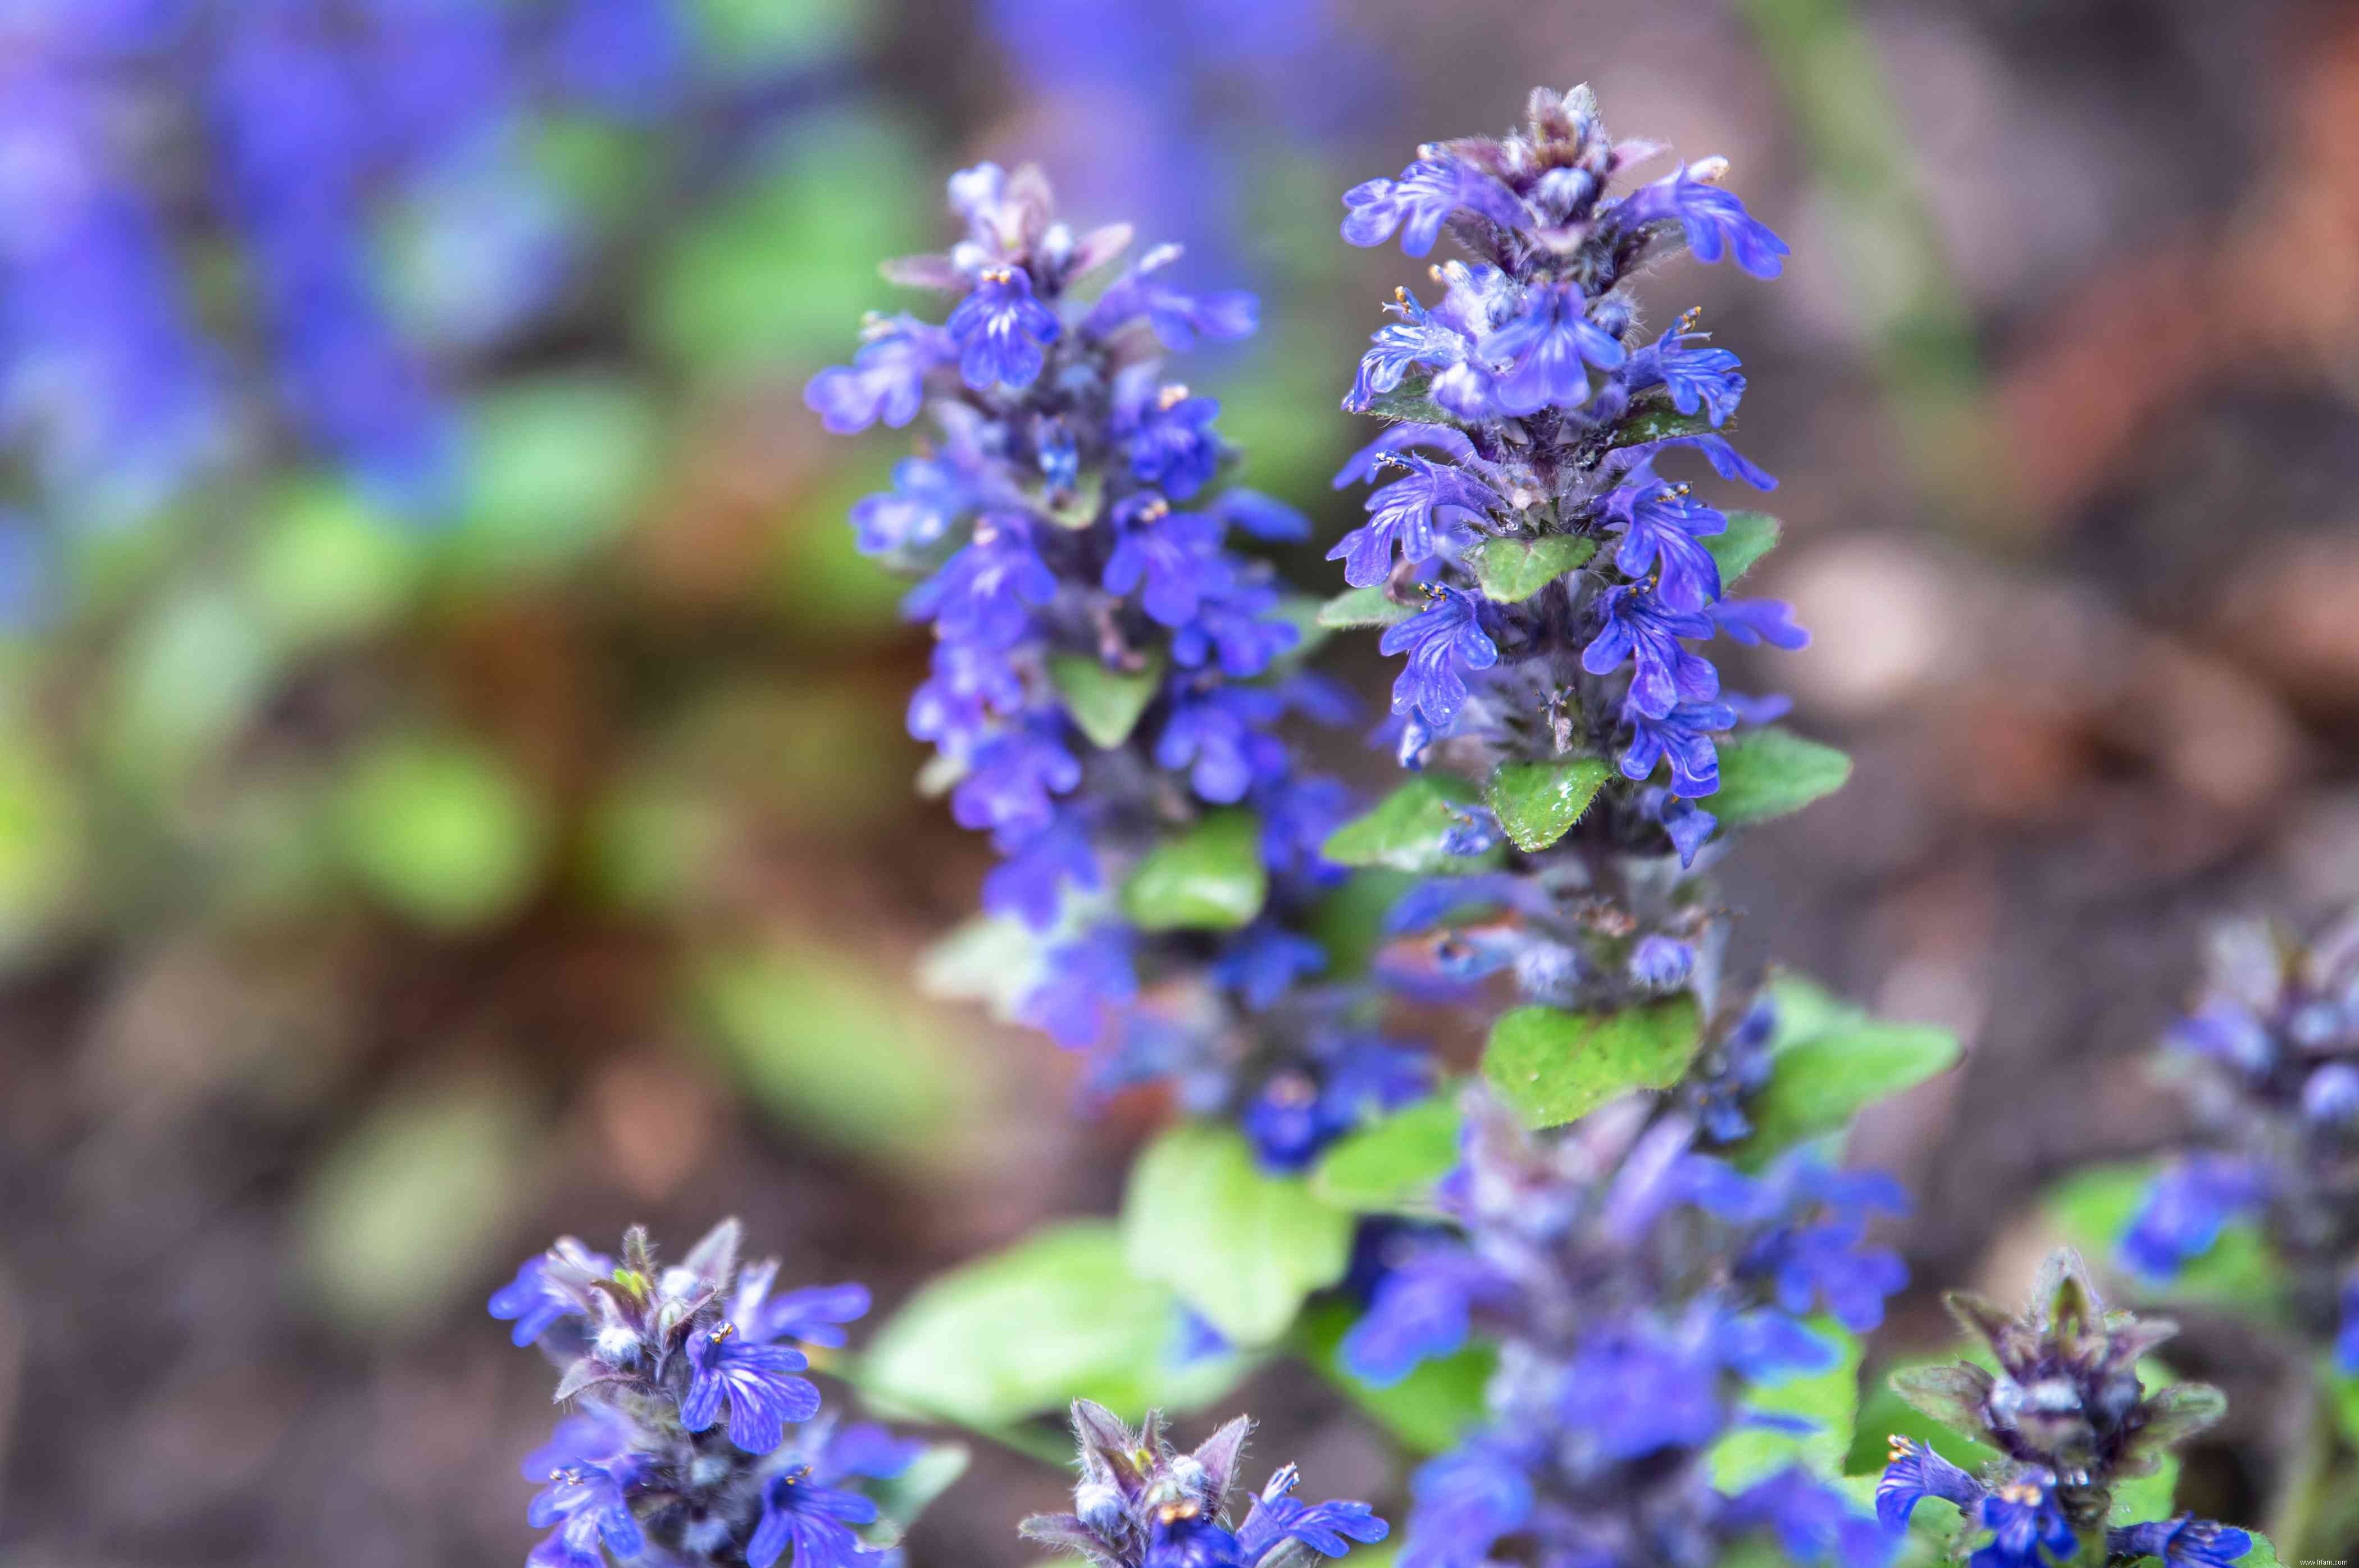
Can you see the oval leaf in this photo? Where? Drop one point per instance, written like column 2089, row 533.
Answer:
column 1428, row 1410
column 1513, row 570
column 1241, row 1246
column 1211, row 879
column 1538, row 802
column 1390, row 1168
column 1748, row 537
column 1553, row 1066
column 1104, row 703
column 1358, row 608
column 1057, row 1316
column 1817, row 1084
column 1769, row 772
column 1407, row 833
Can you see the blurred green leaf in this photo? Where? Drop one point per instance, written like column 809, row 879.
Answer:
column 187, row 680
column 324, row 567
column 784, row 270
column 1428, row 1410
column 1350, row 921
column 1806, row 1010
column 1660, row 424
column 41, row 842
column 1817, row 1084
column 1210, row 879
column 1356, row 607
column 1829, row 1398
column 411, row 1208
column 755, row 35
column 1554, row 1066
column 986, row 958
column 646, row 842
column 1243, row 1247
column 1769, row 772
column 789, row 1020
column 555, row 465
column 1104, row 703
column 901, row 1498
column 1391, row 1165
column 1538, row 802
column 1748, row 537
column 2342, row 1396
column 1056, row 1317
column 1513, row 570
column 826, row 589
column 1884, row 1414
column 1408, row 830
column 442, row 830
column 2094, row 1207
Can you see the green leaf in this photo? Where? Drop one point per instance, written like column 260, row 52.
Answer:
column 1427, row 1412
column 1408, row 401
column 1829, row 1398
column 2342, row 1396
column 1748, row 537
column 1390, row 1168
column 1553, row 1066
column 325, row 567
column 1769, row 772
column 1513, row 570
column 1807, row 1009
column 1363, row 607
column 1538, row 802
column 1405, row 833
column 1817, row 1085
column 901, row 1497
column 1210, row 879
column 554, row 467
column 2262, row 1555
column 411, row 1206
column 1104, row 703
column 1884, row 1414
column 1659, row 424
column 2094, row 1207
column 444, row 831
column 1243, row 1247
column 1057, row 1316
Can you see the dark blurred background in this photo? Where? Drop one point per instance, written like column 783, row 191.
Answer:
column 453, row 789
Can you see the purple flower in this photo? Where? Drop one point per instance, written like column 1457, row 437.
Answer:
column 1811, row 1521
column 1088, row 983
column 536, row 1299
column 1430, row 338
column 1221, row 738
column 1010, row 779
column 1367, row 462
column 2026, row 1524
column 1684, row 736
column 886, row 380
column 813, row 1316
column 1029, row 884
column 1636, row 1389
column 985, row 594
column 1688, row 825
column 927, row 497
column 1173, row 445
column 1700, row 378
column 2183, row 1542
column 1262, row 517
column 1177, row 555
column 1414, row 512
column 1715, row 222
column 1178, row 319
column 1262, row 963
column 2331, row 1095
column 587, row 1504
column 1328, row 1529
column 1466, row 1500
column 1753, row 622
column 1422, row 201
column 1422, row 1309
column 1659, row 523
column 1349, row 1078
column 757, row 1383
column 1234, row 626
column 2185, row 1210
column 1548, row 343
column 1915, row 1473
column 1638, row 627
column 1001, row 331
column 815, row 1519
column 1660, row 963
column 1439, row 640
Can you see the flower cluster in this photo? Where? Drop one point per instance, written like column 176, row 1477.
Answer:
column 2070, row 1419
column 1637, row 1291
column 1108, row 673
column 696, row 1438
column 1543, row 574
column 1142, row 1504
column 310, row 124
column 2271, row 1054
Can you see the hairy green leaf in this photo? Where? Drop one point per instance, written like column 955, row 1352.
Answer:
column 1513, row 570
column 1817, row 1084
column 1769, row 772
column 1408, row 830
column 1748, row 537
column 1538, row 802
column 1553, row 1066
column 1104, row 703
column 1390, row 1167
column 1356, row 607
column 1210, row 879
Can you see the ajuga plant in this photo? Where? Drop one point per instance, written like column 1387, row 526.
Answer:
column 1109, row 674
column 2065, row 1409
column 1544, row 580
column 695, row 1438
column 1142, row 1504
column 2269, row 1060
